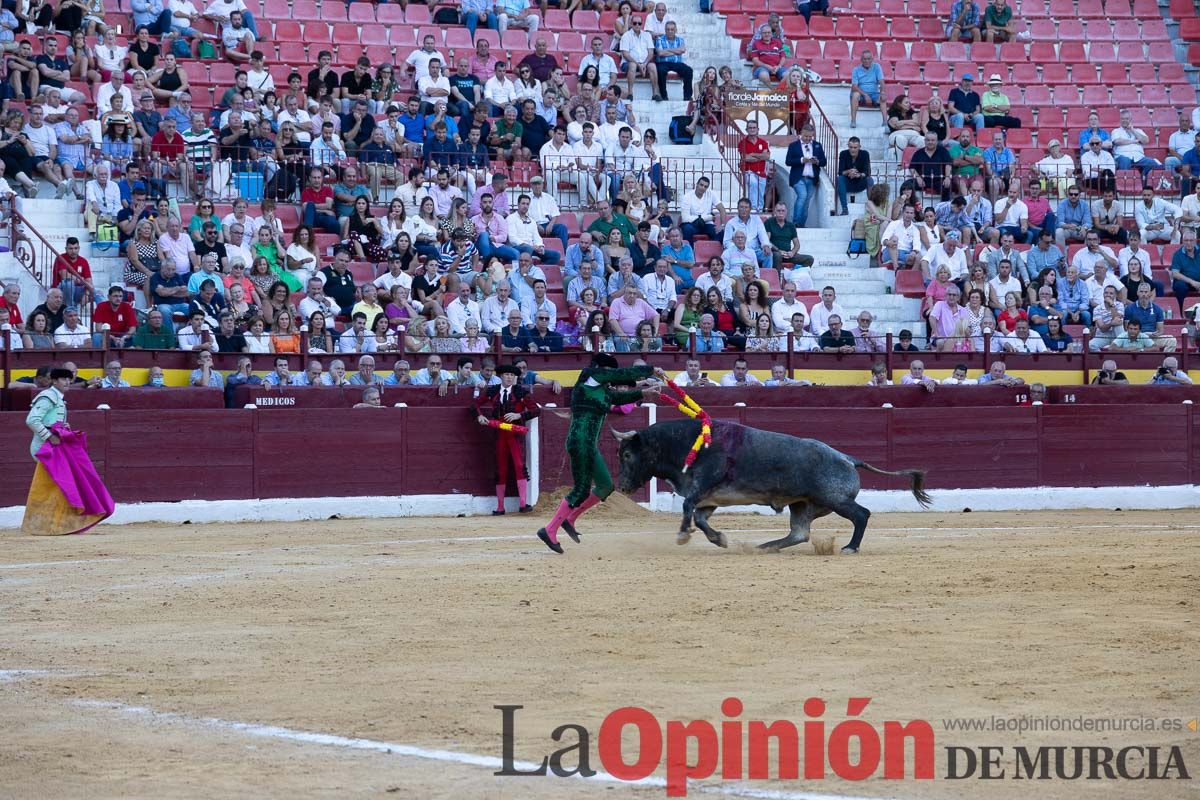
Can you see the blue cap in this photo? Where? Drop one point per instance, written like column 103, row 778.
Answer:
column 968, row 77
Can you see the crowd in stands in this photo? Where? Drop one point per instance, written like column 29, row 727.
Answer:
column 459, row 260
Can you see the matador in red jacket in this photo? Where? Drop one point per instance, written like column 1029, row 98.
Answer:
column 514, row 404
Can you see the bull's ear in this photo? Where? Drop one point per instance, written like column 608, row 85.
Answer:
column 623, row 436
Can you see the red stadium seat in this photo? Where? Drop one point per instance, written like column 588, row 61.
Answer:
column 939, row 73
column 361, row 13
column 345, row 33
column 557, row 20
column 794, row 27
column 909, row 283
column 904, row 30
column 953, row 53
column 1043, row 30
column 1154, row 95
column 389, row 14
column 1103, row 53
column 304, row 10
column 821, row 27
column 417, row 14
column 1127, row 30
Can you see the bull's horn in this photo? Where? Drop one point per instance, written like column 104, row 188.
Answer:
column 622, row 436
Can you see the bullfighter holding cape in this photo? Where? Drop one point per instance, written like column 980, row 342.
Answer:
column 591, row 399
column 510, row 404
column 66, row 496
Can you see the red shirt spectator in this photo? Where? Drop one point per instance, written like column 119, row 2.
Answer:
column 316, row 196
column 753, row 146
column 14, row 312
column 767, row 49
column 120, row 318
column 169, row 150
column 79, row 266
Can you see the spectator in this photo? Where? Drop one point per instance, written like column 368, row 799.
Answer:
column 1157, row 220
column 1057, row 168
column 1097, row 168
column 1109, row 375
column 1189, row 169
column 1169, row 374
column 1022, row 341
column 1132, row 339
column 900, row 243
column 997, row 375
column 865, row 341
column 930, row 167
column 945, row 315
column 916, row 377
column 1085, row 260
column 809, row 7
column 1075, row 298
column 1185, row 268
column 999, row 164
column 947, row 254
column 766, row 53
column 785, row 249
column 959, row 377
column 740, row 375
column 669, row 49
column 964, row 24
column 1108, row 319
column 879, row 374
column 1128, row 146
column 692, row 376
column 756, row 161
column 1047, row 306
column 866, row 85
column 1107, row 218
column 1074, row 220
column 1011, row 215
column 709, row 340
column 805, row 159
column 998, row 22
column 822, row 311
column 964, row 104
column 995, row 104
column 904, row 343
column 237, row 38
column 904, row 125
column 702, row 212
column 854, row 172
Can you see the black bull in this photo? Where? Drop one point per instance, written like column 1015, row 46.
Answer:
column 747, row 466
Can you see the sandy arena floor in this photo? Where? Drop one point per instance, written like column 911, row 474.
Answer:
column 408, row 632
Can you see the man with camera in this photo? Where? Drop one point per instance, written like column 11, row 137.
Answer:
column 1169, row 374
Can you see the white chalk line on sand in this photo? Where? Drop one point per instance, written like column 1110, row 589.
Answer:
column 280, row 733
column 72, row 562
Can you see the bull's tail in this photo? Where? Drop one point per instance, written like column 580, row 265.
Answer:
column 917, row 476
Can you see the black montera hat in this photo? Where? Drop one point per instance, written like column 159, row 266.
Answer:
column 605, row 360
column 508, row 369
column 59, row 372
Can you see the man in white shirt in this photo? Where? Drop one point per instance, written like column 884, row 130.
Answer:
column 740, row 376
column 1022, row 341
column 544, row 208
column 1101, row 278
column 1057, row 167
column 523, row 234
column 327, row 148
column 535, row 303
column 495, row 311
column 419, row 59
column 195, row 335
column 916, row 377
column 358, row 339
column 316, row 300
column 700, row 212
column 1010, row 213
column 959, row 377
column 661, row 288
column 783, row 308
column 822, row 311
column 1133, row 250
column 656, row 23
column 102, row 199
column 1002, row 284
column 1085, row 260
column 395, row 276
column 756, row 234
column 237, row 38
column 716, row 277
column 602, row 61
column 72, row 333
column 692, row 376
column 1189, row 209
column 1097, row 166
column 737, row 254
column 558, row 162
column 1128, row 146
column 623, row 157
column 45, row 149
column 637, row 49
column 293, row 113
column 1180, row 142
column 462, row 309
column 433, row 87
column 947, row 254
column 499, row 91
column 589, row 165
column 1157, row 220
column 901, row 241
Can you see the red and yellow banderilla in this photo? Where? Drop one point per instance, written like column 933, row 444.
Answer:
column 507, row 426
column 691, row 408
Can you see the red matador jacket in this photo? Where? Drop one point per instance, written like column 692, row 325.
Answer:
column 520, row 401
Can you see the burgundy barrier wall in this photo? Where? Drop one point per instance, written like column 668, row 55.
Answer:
column 141, row 397
column 293, row 452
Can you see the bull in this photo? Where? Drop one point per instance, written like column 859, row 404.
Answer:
column 746, row 465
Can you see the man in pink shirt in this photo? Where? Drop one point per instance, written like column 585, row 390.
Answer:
column 944, row 315
column 493, row 232
column 630, row 311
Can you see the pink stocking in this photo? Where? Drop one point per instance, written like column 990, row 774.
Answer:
column 522, row 490
column 559, row 516
column 576, row 513
column 500, row 490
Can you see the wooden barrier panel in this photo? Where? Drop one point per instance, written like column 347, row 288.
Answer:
column 176, row 454
column 134, row 398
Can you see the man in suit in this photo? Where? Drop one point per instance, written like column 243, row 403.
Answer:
column 806, row 159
